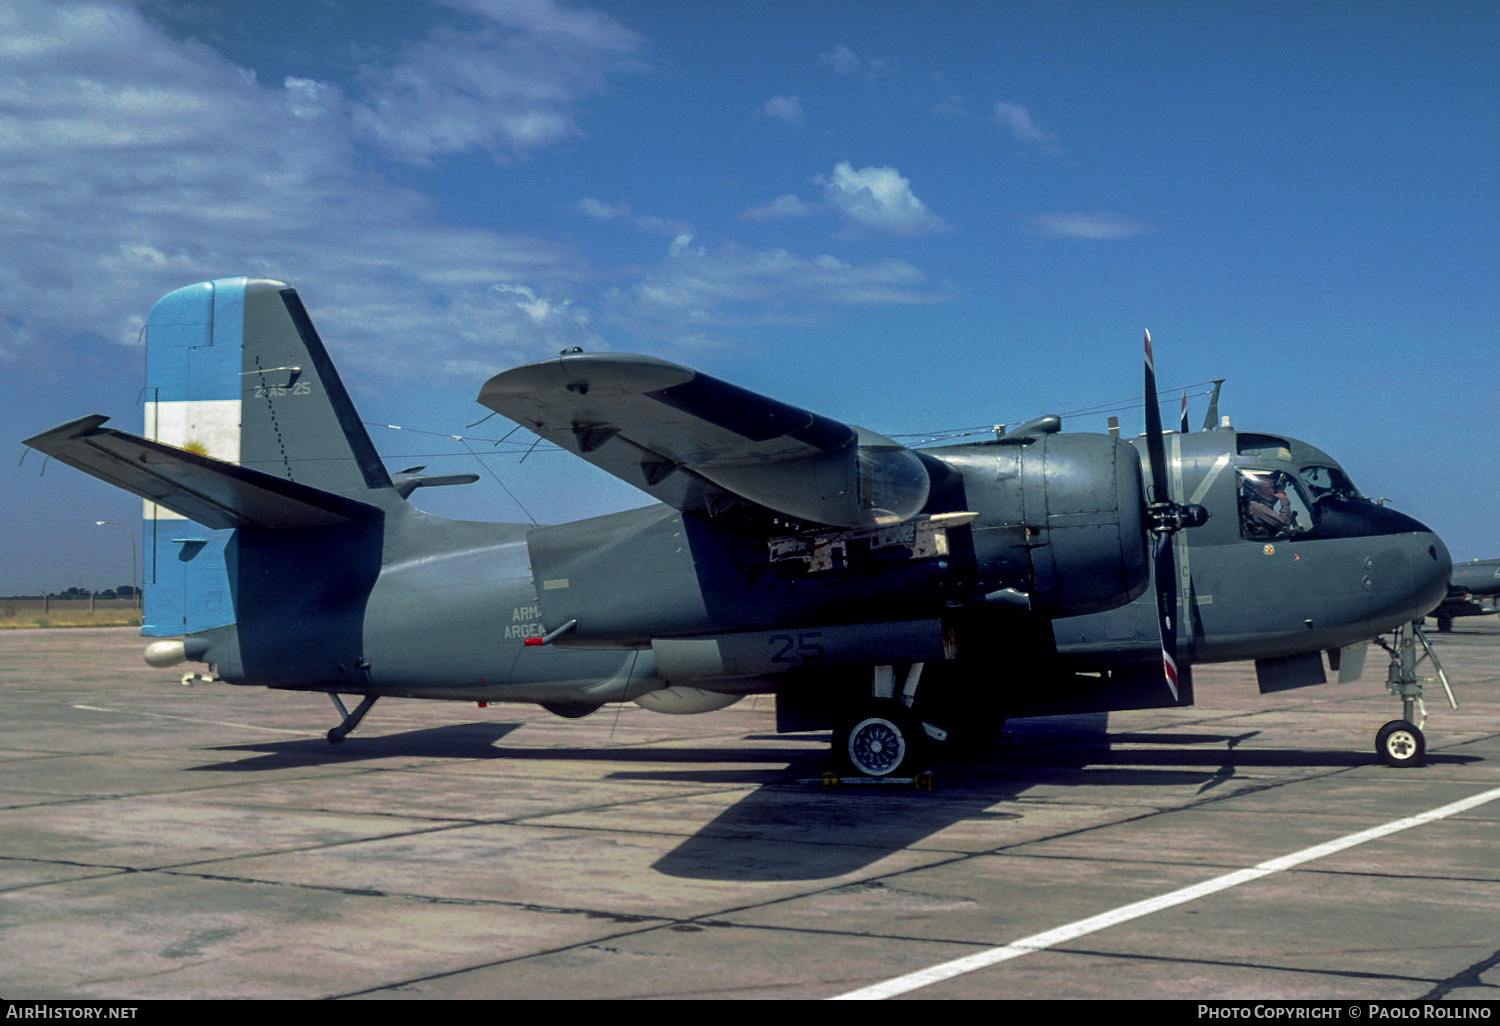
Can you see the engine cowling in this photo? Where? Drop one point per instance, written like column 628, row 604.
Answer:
column 1061, row 519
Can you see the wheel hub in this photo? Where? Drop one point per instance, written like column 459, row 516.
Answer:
column 876, row 746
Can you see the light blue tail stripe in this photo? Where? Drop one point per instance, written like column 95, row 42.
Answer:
column 195, row 342
column 194, row 352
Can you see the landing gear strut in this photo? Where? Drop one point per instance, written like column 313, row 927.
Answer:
column 1400, row 742
column 351, row 719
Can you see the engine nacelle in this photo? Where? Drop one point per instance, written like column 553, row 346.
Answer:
column 1061, row 518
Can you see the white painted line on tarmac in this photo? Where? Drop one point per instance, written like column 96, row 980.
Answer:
column 190, row 719
column 1093, row 924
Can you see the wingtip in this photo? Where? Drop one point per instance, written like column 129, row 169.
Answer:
column 66, row 430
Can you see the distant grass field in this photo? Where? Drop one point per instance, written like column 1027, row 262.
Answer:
column 34, row 612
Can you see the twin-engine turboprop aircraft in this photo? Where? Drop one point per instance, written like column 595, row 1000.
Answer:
column 899, row 597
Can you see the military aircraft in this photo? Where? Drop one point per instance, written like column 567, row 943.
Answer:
column 1470, row 584
column 897, row 596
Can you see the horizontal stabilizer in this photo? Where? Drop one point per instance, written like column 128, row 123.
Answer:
column 693, row 442
column 214, row 493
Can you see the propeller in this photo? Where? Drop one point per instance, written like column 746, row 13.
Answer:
column 1164, row 519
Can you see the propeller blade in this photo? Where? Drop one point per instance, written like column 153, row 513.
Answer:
column 1162, row 529
column 1166, row 608
column 1155, row 450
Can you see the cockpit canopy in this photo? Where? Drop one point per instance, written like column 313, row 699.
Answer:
column 1283, row 501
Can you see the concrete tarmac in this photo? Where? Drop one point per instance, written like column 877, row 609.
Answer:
column 159, row 842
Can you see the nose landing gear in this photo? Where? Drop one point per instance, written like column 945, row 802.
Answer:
column 1400, row 742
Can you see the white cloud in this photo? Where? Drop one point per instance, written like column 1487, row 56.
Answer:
column 783, row 108
column 845, row 62
column 601, row 211
column 879, row 199
column 311, row 100
column 1023, row 127
column 787, row 205
column 699, row 290
column 841, row 59
column 1089, row 226
column 507, row 84
column 132, row 164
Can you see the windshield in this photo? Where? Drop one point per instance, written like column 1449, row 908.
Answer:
column 1326, row 481
column 1272, row 505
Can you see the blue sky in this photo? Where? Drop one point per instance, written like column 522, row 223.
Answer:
column 911, row 216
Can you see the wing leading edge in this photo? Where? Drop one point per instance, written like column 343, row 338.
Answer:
column 695, row 442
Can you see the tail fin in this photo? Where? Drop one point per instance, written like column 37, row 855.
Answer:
column 236, row 371
column 248, row 427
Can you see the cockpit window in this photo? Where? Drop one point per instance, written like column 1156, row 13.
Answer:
column 1272, row 505
column 1265, row 446
column 1325, row 481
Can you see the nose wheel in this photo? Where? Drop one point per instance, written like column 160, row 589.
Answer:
column 1400, row 743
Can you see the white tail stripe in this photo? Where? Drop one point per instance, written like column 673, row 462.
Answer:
column 209, row 427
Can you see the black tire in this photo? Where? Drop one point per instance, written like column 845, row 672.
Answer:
column 1400, row 744
column 885, row 740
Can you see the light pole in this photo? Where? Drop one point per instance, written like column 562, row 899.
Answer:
column 133, row 584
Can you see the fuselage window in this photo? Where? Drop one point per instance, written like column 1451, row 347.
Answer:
column 1272, row 505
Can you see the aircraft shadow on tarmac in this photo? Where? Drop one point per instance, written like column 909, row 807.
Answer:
column 482, row 741
column 792, row 828
column 454, row 741
column 797, row 832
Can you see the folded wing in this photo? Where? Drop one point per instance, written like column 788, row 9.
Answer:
column 695, row 442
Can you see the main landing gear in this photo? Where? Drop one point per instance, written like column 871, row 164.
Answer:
column 1400, row 742
column 884, row 738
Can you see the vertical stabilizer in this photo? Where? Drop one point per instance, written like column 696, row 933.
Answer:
column 236, row 371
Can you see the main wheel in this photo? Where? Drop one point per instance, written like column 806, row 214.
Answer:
column 886, row 741
column 1400, row 743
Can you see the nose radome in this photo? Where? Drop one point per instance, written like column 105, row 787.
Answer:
column 1430, row 564
column 1421, row 568
column 1432, row 569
